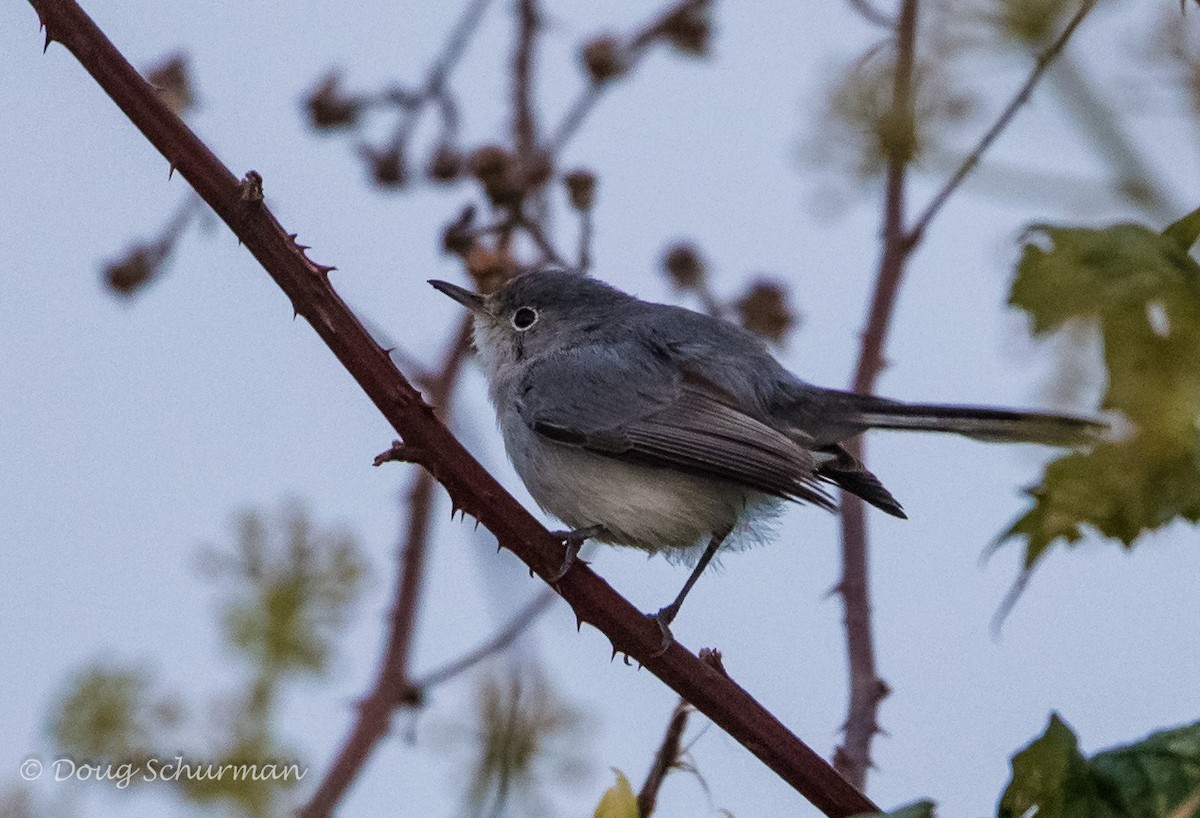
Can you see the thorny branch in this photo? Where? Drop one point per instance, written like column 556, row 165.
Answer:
column 428, row 441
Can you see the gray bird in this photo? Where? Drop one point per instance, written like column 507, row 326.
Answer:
column 656, row 427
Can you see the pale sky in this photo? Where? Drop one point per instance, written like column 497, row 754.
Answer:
column 134, row 431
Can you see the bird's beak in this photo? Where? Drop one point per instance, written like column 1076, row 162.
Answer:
column 475, row 302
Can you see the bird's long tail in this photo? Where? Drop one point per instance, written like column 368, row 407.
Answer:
column 981, row 422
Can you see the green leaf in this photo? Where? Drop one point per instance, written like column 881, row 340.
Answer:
column 1141, row 290
column 1152, row 778
column 618, row 800
column 917, row 809
column 1158, row 774
column 1185, row 232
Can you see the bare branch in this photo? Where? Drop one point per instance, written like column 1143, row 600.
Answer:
column 917, row 232
column 524, row 124
column 664, row 760
column 871, row 14
column 392, row 684
column 470, row 487
column 496, row 644
column 641, row 41
column 853, row 757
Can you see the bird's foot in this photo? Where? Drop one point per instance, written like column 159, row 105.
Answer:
column 573, row 540
column 664, row 618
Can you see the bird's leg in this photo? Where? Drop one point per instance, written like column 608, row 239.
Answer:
column 666, row 616
column 573, row 540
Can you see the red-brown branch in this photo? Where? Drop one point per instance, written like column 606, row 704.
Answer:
column 469, row 485
column 664, row 760
column 853, row 757
column 393, row 685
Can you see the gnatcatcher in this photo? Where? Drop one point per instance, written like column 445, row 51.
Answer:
column 656, row 427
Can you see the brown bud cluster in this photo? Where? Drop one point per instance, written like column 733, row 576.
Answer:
column 458, row 237
column 683, row 264
column 604, row 58
column 387, row 167
column 490, row 267
column 505, row 178
column 496, row 170
column 136, row 269
column 329, row 107
column 581, row 188
column 446, row 165
column 689, row 27
column 764, row 310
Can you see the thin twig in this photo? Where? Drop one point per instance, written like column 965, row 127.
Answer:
column 524, row 123
column 853, row 757
column 544, row 244
column 872, row 15
column 434, row 87
column 583, row 104
column 916, row 233
column 497, row 643
column 585, row 240
column 664, row 760
column 469, row 485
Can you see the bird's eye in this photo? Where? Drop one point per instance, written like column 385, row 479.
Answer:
column 524, row 318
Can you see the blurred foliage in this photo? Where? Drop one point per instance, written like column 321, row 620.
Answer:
column 522, row 737
column 618, row 801
column 111, row 715
column 288, row 590
column 1158, row 777
column 858, row 129
column 1033, row 22
column 1142, row 290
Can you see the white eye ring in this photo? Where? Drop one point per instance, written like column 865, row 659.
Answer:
column 524, row 318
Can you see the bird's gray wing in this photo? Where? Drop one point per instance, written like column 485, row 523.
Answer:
column 623, row 401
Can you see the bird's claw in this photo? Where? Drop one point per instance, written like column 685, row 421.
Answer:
column 664, row 618
column 572, row 541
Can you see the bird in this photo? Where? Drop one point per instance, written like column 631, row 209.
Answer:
column 656, row 427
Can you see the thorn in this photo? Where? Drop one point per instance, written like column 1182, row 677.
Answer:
column 499, row 547
column 389, row 351
column 292, row 237
column 531, row 572
column 295, row 309
column 170, row 171
column 476, row 523
column 301, row 247
column 629, row 663
column 614, row 653
column 579, row 628
column 325, row 269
